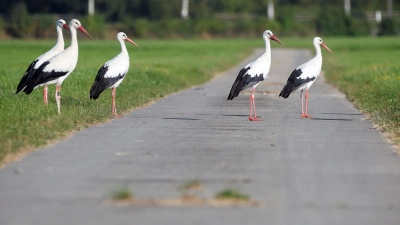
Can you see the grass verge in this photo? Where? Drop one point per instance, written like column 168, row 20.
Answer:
column 231, row 194
column 122, row 194
column 158, row 68
column 367, row 70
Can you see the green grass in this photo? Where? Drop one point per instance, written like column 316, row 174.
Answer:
column 231, row 194
column 366, row 69
column 157, row 69
column 122, row 194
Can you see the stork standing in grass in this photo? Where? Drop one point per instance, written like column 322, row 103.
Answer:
column 56, row 69
column 34, row 66
column 304, row 76
column 255, row 72
column 112, row 73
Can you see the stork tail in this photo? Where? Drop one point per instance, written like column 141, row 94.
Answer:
column 287, row 90
column 235, row 90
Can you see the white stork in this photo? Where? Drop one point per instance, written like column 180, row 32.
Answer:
column 112, row 73
column 58, row 47
column 304, row 76
column 255, row 72
column 56, row 69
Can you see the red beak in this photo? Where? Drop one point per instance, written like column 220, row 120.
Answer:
column 130, row 41
column 66, row 26
column 85, row 32
column 276, row 39
column 326, row 47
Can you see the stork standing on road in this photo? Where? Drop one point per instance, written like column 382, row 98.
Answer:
column 111, row 74
column 58, row 47
column 56, row 69
column 305, row 75
column 255, row 72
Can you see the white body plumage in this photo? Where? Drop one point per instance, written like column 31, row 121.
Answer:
column 66, row 60
column 56, row 69
column 312, row 68
column 253, row 73
column 118, row 66
column 113, row 72
column 304, row 76
column 57, row 48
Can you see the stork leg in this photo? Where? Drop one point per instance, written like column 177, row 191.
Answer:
column 306, row 114
column 58, row 97
column 302, row 105
column 307, row 105
column 114, row 107
column 45, row 95
column 253, row 106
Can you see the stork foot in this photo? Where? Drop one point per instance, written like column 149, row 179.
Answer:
column 305, row 116
column 117, row 116
column 254, row 118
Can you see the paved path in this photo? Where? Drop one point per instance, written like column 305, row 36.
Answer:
column 333, row 169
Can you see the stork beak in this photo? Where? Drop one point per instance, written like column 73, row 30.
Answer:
column 85, row 32
column 66, row 26
column 130, row 41
column 276, row 39
column 326, row 47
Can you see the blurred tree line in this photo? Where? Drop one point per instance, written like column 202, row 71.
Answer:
column 207, row 18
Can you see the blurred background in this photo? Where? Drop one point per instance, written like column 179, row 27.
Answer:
column 35, row 19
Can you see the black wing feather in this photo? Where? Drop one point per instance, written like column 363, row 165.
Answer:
column 41, row 77
column 101, row 83
column 294, row 82
column 26, row 79
column 242, row 81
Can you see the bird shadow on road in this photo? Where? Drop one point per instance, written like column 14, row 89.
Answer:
column 172, row 118
column 333, row 119
column 236, row 115
column 346, row 114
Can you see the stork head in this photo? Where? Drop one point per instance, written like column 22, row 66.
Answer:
column 268, row 34
column 77, row 25
column 318, row 41
column 61, row 23
column 123, row 36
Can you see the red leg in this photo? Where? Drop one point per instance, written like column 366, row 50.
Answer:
column 45, row 95
column 58, row 97
column 251, row 107
column 301, row 100
column 252, row 103
column 306, row 115
column 114, row 107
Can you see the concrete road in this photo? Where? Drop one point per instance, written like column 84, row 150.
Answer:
column 333, row 169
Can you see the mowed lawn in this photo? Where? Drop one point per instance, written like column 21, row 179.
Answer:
column 366, row 69
column 157, row 68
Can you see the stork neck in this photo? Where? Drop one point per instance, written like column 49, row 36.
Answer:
column 123, row 46
column 60, row 38
column 74, row 39
column 267, row 52
column 317, row 50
